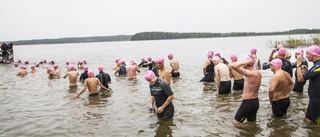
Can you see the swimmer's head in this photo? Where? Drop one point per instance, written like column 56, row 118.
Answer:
column 149, row 75
column 233, row 57
column 22, row 67
column 209, row 55
column 314, row 50
column 19, row 61
column 170, row 55
column 37, row 65
column 280, row 46
column 26, row 62
column 217, row 54
column 119, row 62
column 55, row 66
column 100, row 68
column 299, row 52
column 249, row 59
column 253, row 51
column 33, row 67
column 277, row 63
column 211, row 51
column 48, row 69
column 85, row 68
column 160, row 60
column 71, row 67
column 149, row 58
column 90, row 73
column 281, row 51
column 216, row 58
column 143, row 59
column 84, row 62
column 16, row 64
column 67, row 62
column 132, row 62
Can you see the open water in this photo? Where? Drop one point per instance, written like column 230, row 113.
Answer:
column 36, row 106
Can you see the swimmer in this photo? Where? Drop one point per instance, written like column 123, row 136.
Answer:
column 238, row 80
column 84, row 75
column 174, row 63
column 161, row 96
column 313, row 55
column 280, row 86
column 73, row 76
column 132, row 70
column 222, row 76
column 103, row 77
column 163, row 72
column 22, row 71
column 33, row 69
column 208, row 69
column 92, row 84
column 252, row 81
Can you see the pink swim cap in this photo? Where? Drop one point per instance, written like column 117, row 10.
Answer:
column 149, row 58
column 71, row 67
column 132, row 62
column 211, row 51
column 299, row 51
column 209, row 55
column 253, row 51
column 160, row 60
column 37, row 65
column 248, row 58
column 22, row 67
column 142, row 59
column 84, row 61
column 19, row 61
column 55, row 66
column 281, row 51
column 216, row 58
column 280, row 46
column 233, row 57
column 67, row 62
column 277, row 63
column 170, row 55
column 85, row 68
column 33, row 66
column 100, row 68
column 16, row 64
column 49, row 69
column 217, row 54
column 26, row 62
column 90, row 73
column 119, row 62
column 314, row 50
column 149, row 75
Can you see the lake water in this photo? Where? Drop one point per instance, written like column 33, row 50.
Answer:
column 36, row 106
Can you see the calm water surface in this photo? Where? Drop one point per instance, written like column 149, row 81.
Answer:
column 36, row 106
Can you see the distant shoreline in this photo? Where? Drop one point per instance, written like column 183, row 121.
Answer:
column 159, row 36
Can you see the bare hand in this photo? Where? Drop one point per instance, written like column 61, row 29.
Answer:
column 160, row 110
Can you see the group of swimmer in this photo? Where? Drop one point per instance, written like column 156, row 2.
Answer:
column 246, row 76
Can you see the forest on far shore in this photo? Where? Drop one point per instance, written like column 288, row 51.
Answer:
column 160, row 36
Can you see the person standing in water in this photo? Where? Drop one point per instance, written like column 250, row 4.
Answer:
column 174, row 63
column 103, row 77
column 22, row 71
column 238, row 80
column 222, row 76
column 298, row 86
column 252, row 81
column 92, row 84
column 313, row 75
column 161, row 96
column 84, row 75
column 280, row 86
column 132, row 70
column 208, row 69
column 73, row 76
column 163, row 72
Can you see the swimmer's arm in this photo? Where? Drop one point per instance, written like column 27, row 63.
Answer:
column 151, row 102
column 271, row 55
column 299, row 69
column 272, row 86
column 18, row 73
column 165, row 104
column 137, row 69
column 65, row 75
column 259, row 64
column 238, row 67
column 83, row 89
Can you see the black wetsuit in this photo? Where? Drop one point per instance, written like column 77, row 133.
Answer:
column 122, row 70
column 298, row 86
column 143, row 64
column 151, row 65
column 83, row 76
column 161, row 91
column 209, row 77
column 313, row 75
column 155, row 70
column 104, row 78
column 286, row 66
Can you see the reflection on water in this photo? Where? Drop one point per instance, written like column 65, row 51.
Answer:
column 36, row 106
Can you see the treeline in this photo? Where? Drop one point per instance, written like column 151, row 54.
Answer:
column 176, row 35
column 74, row 40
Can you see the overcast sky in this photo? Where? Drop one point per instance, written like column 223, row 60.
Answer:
column 39, row 19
